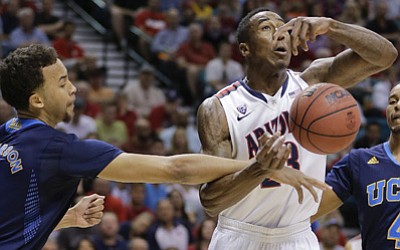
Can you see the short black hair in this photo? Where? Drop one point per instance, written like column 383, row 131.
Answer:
column 242, row 32
column 21, row 73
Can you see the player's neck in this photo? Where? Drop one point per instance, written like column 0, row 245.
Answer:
column 268, row 84
column 394, row 145
column 28, row 115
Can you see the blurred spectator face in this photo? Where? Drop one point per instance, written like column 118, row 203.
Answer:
column 47, row 6
column 330, row 235
column 374, row 132
column 69, row 30
column 173, row 18
column 181, row 118
column 109, row 114
column 165, row 211
column 109, row 225
column 214, row 24
column 225, row 51
column 381, row 9
column 26, row 18
column 195, row 32
column 138, row 244
column 154, row 5
column 138, row 192
column 141, row 224
column 13, row 6
column 101, row 186
column 179, row 140
column 157, row 148
column 146, row 79
column 176, row 199
column 143, row 128
column 85, row 244
column 82, row 89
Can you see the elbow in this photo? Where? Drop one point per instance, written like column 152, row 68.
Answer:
column 210, row 208
column 178, row 172
column 210, row 204
column 390, row 56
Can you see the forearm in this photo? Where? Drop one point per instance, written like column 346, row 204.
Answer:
column 67, row 221
column 369, row 45
column 183, row 169
column 223, row 193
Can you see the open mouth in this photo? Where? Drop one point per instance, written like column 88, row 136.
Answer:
column 396, row 117
column 280, row 50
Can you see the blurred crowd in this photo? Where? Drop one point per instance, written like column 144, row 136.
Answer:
column 193, row 43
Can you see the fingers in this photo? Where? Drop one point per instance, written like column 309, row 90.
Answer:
column 93, row 219
column 262, row 155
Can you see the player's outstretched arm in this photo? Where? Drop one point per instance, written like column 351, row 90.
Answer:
column 226, row 191
column 368, row 51
column 86, row 213
column 190, row 168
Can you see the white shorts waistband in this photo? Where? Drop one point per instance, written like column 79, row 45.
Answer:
column 273, row 234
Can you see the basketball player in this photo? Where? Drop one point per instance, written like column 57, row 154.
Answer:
column 257, row 213
column 372, row 176
column 41, row 167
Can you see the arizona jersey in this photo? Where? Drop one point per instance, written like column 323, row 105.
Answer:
column 40, row 169
column 372, row 176
column 250, row 114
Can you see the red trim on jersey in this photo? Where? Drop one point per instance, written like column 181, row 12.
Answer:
column 228, row 89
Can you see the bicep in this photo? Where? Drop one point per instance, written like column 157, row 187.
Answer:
column 345, row 69
column 213, row 129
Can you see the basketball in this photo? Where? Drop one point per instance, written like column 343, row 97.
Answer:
column 324, row 118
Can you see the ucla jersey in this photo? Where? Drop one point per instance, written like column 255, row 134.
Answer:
column 372, row 176
column 250, row 114
column 40, row 169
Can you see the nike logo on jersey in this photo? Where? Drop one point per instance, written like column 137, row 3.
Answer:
column 373, row 160
column 240, row 117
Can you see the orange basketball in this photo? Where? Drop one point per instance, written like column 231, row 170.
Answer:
column 324, row 118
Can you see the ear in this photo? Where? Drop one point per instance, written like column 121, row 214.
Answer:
column 36, row 101
column 244, row 49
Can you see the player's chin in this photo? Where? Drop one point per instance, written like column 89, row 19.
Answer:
column 395, row 129
column 68, row 116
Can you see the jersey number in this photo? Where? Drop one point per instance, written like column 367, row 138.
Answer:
column 394, row 232
column 291, row 162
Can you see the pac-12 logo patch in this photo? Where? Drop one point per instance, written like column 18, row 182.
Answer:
column 242, row 109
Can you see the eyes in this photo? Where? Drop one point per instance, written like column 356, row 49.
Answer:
column 392, row 101
column 266, row 27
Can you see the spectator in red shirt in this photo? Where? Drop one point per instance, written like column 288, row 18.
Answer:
column 67, row 49
column 150, row 20
column 193, row 55
column 111, row 203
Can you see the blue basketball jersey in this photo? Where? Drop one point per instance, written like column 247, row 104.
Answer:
column 372, row 176
column 40, row 169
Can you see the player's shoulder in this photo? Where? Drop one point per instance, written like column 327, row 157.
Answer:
column 229, row 90
column 365, row 154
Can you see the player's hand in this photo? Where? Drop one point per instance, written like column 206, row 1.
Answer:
column 304, row 29
column 298, row 180
column 273, row 153
column 88, row 211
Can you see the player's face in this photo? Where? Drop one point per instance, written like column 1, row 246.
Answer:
column 275, row 51
column 393, row 110
column 58, row 93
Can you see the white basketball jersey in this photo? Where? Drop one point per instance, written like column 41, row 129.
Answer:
column 250, row 114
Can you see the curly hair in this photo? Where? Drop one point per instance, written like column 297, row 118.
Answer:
column 242, row 32
column 21, row 73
